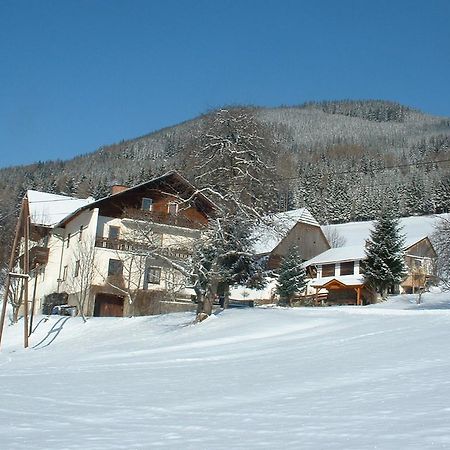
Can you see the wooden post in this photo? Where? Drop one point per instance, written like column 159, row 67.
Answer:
column 358, row 296
column 33, row 301
column 10, row 268
column 26, row 270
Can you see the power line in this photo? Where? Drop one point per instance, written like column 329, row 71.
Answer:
column 379, row 169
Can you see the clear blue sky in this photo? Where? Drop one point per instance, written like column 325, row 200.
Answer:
column 75, row 75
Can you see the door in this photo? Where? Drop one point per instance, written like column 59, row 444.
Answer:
column 107, row 305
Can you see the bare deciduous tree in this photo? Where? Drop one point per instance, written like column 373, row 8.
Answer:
column 235, row 164
column 334, row 238
column 80, row 279
column 141, row 246
column 441, row 243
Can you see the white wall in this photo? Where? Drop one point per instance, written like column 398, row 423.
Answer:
column 63, row 252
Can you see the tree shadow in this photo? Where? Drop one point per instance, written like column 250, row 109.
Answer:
column 52, row 333
column 43, row 320
column 433, row 306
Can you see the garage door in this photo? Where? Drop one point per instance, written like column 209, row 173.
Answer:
column 107, row 305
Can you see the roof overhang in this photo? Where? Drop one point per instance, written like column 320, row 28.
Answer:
column 339, row 283
column 172, row 178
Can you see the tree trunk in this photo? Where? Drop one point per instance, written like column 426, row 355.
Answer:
column 81, row 314
column 203, row 305
column 226, row 297
column 15, row 317
column 205, row 301
column 17, row 305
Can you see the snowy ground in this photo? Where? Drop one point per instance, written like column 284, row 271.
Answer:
column 306, row 378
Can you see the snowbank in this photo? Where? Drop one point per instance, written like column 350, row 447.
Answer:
column 303, row 378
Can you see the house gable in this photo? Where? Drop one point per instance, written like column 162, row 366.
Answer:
column 193, row 208
column 308, row 238
column 423, row 248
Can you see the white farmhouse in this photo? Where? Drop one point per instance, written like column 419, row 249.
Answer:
column 118, row 256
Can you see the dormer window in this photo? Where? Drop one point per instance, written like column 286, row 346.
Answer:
column 172, row 208
column 147, row 204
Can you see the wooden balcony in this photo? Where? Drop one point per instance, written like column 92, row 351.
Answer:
column 37, row 256
column 178, row 220
column 131, row 246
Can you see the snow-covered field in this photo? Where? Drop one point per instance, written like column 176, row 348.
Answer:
column 310, row 378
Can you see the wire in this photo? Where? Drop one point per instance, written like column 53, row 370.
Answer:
column 379, row 169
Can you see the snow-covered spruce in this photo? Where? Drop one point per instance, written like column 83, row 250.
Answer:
column 291, row 277
column 385, row 266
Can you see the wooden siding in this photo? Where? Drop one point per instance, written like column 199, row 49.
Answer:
column 128, row 204
column 423, row 248
column 309, row 239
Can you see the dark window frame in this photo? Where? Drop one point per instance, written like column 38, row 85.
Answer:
column 147, row 204
column 328, row 270
column 153, row 275
column 76, row 271
column 345, row 268
column 116, row 231
column 172, row 205
column 115, row 267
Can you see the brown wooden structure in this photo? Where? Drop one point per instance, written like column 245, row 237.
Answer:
column 193, row 208
column 22, row 231
column 347, row 294
column 310, row 239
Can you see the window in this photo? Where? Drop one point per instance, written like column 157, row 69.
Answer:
column 113, row 232
column 80, row 235
column 328, row 270
column 64, row 276
column 347, row 268
column 115, row 267
column 172, row 208
column 147, row 204
column 68, row 240
column 77, row 268
column 311, row 271
column 153, row 275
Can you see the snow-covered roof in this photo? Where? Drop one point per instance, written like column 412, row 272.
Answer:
column 49, row 209
column 276, row 227
column 350, row 253
column 348, row 280
column 415, row 228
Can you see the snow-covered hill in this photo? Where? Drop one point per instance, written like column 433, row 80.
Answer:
column 310, row 378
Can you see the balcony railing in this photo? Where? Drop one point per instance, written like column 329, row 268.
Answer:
column 132, row 246
column 37, row 256
column 177, row 220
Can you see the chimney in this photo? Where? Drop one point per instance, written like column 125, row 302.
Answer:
column 115, row 189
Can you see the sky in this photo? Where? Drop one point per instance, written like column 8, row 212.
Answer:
column 76, row 75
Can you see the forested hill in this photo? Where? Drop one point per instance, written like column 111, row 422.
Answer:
column 332, row 158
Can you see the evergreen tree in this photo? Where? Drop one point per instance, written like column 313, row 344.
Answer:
column 291, row 277
column 384, row 265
